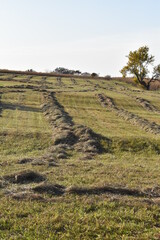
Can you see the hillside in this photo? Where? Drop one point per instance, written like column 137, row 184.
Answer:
column 79, row 159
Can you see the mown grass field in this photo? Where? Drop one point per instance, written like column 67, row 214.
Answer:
column 129, row 159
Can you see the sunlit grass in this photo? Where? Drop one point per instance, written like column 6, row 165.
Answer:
column 131, row 160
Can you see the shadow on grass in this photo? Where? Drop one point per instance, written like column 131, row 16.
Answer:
column 11, row 106
column 56, row 189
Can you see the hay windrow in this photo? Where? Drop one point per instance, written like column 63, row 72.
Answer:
column 53, row 189
column 66, row 132
column 56, row 189
column 24, row 177
column 27, row 196
column 128, row 116
column 73, row 81
column 0, row 103
column 105, row 189
column 59, row 82
column 147, row 105
column 143, row 102
column 25, row 160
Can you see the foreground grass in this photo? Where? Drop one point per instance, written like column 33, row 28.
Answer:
column 73, row 217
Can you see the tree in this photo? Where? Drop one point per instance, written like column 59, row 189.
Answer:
column 108, row 77
column 31, row 70
column 62, row 70
column 94, row 75
column 77, row 72
column 138, row 64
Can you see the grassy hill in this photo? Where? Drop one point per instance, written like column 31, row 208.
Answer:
column 79, row 159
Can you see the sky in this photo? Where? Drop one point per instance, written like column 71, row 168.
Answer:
column 86, row 35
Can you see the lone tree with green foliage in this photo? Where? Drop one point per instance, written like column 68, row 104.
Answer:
column 138, row 64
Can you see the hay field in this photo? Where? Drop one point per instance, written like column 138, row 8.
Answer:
column 79, row 159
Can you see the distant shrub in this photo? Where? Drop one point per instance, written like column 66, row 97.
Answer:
column 62, row 70
column 108, row 77
column 94, row 75
column 31, row 70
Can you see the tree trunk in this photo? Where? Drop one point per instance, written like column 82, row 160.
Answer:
column 148, row 86
column 144, row 84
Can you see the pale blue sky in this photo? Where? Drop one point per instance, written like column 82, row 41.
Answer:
column 89, row 35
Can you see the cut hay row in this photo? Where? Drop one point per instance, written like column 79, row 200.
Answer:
column 43, row 83
column 12, row 79
column 0, row 103
column 65, row 132
column 89, row 81
column 24, row 177
column 26, row 83
column 143, row 102
column 128, row 116
column 28, row 86
column 147, row 105
column 55, row 189
column 8, row 77
column 73, row 81
column 59, row 82
column 10, row 90
column 95, row 86
column 27, row 177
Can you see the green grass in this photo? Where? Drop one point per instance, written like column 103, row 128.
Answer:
column 79, row 218
column 86, row 109
column 131, row 159
column 10, row 83
column 23, row 129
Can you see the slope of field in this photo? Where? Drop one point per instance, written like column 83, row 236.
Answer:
column 79, row 159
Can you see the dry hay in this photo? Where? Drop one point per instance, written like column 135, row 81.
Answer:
column 103, row 190
column 154, row 191
column 147, row 105
column 34, row 192
column 59, row 82
column 33, row 161
column 65, row 137
column 88, row 141
column 23, row 177
column 28, row 196
column 1, row 103
column 53, row 189
column 47, row 159
column 143, row 102
column 38, row 162
column 56, row 189
column 52, row 164
column 128, row 116
column 25, row 160
column 73, row 81
column 3, row 183
column 65, row 132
